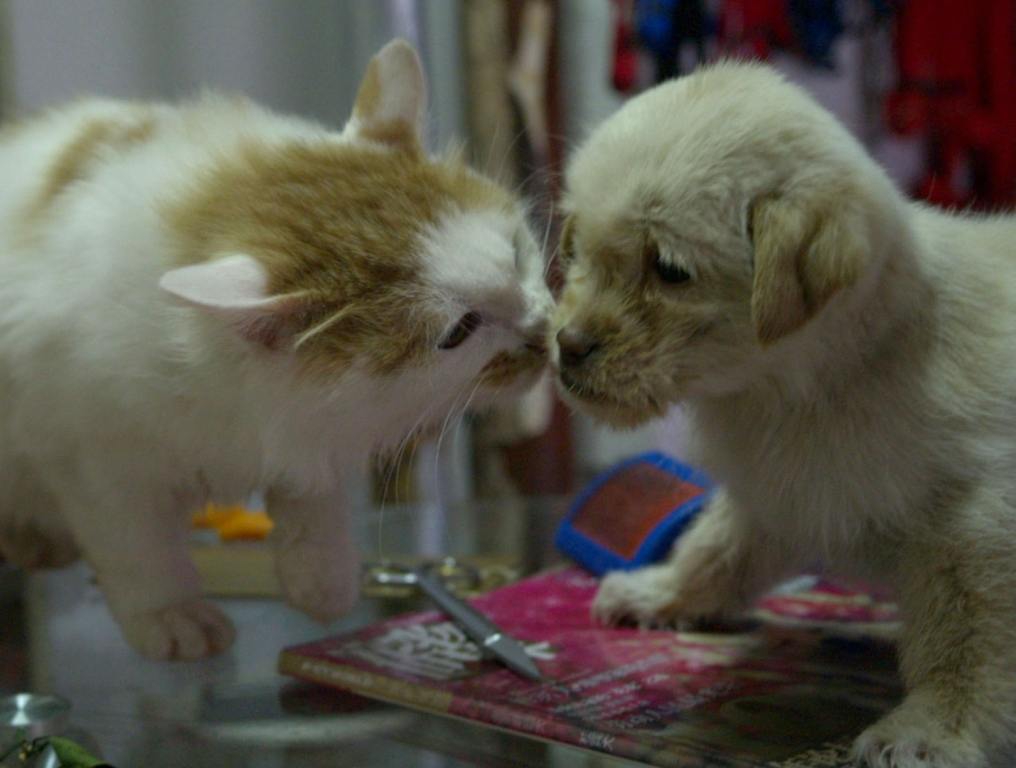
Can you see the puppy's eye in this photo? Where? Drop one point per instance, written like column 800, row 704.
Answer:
column 668, row 271
column 461, row 331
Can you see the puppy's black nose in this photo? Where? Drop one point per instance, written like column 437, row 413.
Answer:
column 575, row 346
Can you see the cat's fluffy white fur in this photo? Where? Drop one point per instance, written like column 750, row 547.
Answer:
column 848, row 361
column 125, row 408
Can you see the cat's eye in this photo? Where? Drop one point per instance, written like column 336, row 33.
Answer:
column 671, row 273
column 461, row 331
column 566, row 243
column 667, row 270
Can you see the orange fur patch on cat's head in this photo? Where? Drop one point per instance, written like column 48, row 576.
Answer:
column 359, row 248
column 72, row 164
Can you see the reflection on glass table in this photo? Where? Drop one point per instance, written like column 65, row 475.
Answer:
column 235, row 709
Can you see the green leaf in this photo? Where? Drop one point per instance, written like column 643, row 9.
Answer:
column 72, row 754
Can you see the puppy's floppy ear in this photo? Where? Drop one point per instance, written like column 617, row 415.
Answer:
column 391, row 104
column 805, row 251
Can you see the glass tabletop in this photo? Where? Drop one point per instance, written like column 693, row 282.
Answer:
column 236, row 709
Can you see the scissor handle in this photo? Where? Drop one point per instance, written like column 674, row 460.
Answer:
column 453, row 573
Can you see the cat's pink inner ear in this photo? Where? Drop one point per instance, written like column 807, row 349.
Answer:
column 233, row 283
column 391, row 105
column 234, row 288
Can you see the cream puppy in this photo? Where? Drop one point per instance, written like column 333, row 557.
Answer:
column 848, row 361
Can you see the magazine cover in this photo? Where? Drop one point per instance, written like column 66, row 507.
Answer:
column 791, row 690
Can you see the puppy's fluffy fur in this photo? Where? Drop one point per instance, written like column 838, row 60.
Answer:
column 848, row 360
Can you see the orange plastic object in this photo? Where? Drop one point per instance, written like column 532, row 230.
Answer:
column 234, row 523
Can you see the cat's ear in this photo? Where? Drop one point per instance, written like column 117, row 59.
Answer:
column 235, row 289
column 391, row 105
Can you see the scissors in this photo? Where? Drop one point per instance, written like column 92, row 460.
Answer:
column 433, row 579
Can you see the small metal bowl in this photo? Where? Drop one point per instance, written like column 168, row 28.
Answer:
column 31, row 715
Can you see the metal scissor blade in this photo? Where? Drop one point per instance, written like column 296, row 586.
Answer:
column 478, row 627
column 514, row 655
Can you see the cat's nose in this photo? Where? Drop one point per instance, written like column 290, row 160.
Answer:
column 575, row 346
column 534, row 337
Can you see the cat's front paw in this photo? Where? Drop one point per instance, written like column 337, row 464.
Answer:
column 653, row 597
column 186, row 631
column 324, row 586
column 906, row 740
column 30, row 546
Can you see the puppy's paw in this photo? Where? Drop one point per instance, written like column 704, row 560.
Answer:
column 185, row 631
column 902, row 741
column 649, row 597
column 323, row 586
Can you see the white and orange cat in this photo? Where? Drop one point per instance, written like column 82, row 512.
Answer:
column 198, row 301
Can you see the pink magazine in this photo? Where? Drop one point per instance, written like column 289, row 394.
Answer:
column 791, row 691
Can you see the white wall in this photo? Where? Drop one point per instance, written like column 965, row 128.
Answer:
column 302, row 56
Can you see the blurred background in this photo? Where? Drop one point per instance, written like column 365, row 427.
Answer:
column 927, row 85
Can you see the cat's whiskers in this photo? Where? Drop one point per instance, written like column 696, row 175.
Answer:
column 506, row 155
column 444, row 425
column 321, row 327
column 490, row 149
column 394, row 468
column 545, row 193
column 547, row 260
column 451, row 417
column 520, row 187
column 469, row 401
column 551, row 258
column 456, row 429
